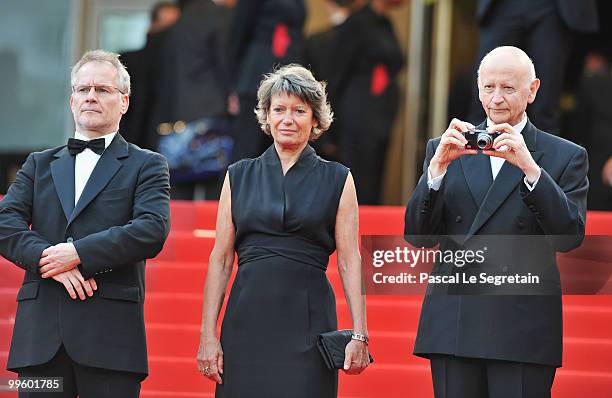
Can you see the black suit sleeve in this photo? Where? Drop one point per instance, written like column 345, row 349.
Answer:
column 560, row 208
column 18, row 243
column 424, row 210
column 144, row 236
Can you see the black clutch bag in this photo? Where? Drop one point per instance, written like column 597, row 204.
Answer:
column 332, row 345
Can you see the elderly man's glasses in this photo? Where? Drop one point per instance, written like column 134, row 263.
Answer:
column 101, row 91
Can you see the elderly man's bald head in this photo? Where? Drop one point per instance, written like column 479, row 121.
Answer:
column 512, row 57
column 506, row 84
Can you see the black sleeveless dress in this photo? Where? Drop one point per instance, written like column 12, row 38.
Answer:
column 281, row 298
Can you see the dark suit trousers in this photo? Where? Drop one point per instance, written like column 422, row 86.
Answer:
column 457, row 377
column 536, row 27
column 85, row 381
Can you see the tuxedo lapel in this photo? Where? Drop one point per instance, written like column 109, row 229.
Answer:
column 477, row 172
column 505, row 183
column 105, row 169
column 62, row 172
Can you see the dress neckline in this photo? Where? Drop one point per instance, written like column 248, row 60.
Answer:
column 307, row 158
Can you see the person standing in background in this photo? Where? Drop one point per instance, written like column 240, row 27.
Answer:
column 319, row 57
column 136, row 125
column 545, row 30
column 591, row 127
column 264, row 34
column 193, row 81
column 367, row 59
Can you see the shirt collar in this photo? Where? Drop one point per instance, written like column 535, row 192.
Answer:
column 517, row 127
column 108, row 138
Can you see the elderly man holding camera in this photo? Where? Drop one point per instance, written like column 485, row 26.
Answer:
column 504, row 177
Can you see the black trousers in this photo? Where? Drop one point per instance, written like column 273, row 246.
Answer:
column 84, row 381
column 536, row 27
column 457, row 377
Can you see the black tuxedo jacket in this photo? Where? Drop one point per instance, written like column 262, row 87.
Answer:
column 121, row 219
column 508, row 327
column 580, row 16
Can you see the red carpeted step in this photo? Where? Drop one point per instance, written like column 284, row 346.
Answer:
column 391, row 348
column 11, row 275
column 381, row 220
column 187, row 246
column 579, row 384
column 188, row 215
column 8, row 304
column 392, row 313
column 599, row 223
column 582, row 320
column 183, row 341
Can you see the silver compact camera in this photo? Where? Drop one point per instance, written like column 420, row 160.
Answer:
column 480, row 139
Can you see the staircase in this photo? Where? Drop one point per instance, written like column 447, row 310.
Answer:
column 173, row 306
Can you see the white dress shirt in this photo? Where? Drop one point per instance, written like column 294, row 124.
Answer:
column 496, row 163
column 85, row 162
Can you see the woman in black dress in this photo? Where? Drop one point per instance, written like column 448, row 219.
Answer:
column 283, row 213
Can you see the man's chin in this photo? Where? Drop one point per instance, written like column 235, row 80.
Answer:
column 91, row 126
column 498, row 118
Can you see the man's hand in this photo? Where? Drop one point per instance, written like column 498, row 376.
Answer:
column 452, row 146
column 57, row 259
column 606, row 173
column 75, row 284
column 511, row 146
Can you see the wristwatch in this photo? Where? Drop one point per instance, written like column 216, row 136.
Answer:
column 360, row 337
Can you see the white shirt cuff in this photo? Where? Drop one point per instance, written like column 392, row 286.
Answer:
column 434, row 183
column 531, row 187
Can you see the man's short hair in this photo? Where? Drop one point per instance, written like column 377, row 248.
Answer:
column 520, row 54
column 123, row 83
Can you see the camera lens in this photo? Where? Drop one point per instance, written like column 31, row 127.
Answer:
column 484, row 141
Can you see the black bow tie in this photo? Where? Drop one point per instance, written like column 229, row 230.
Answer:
column 76, row 146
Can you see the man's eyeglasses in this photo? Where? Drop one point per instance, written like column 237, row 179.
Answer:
column 101, row 91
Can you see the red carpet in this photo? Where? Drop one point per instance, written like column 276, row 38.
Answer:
column 174, row 302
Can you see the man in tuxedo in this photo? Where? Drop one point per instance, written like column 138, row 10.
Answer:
column 545, row 29
column 530, row 183
column 81, row 219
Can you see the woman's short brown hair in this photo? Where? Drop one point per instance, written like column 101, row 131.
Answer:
column 299, row 81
